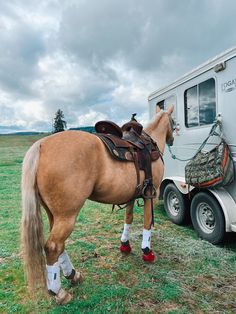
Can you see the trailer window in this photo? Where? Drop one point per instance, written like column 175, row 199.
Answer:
column 200, row 104
column 161, row 104
column 165, row 103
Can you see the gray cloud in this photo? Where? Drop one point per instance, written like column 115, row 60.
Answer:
column 141, row 33
column 101, row 59
column 20, row 50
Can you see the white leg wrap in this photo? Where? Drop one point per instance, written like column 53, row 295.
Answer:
column 146, row 239
column 65, row 264
column 125, row 234
column 53, row 278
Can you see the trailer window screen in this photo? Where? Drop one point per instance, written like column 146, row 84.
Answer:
column 207, row 102
column 191, row 107
column 200, row 104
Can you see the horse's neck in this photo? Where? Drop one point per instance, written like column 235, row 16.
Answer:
column 158, row 131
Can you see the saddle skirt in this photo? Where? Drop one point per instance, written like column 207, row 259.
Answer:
column 123, row 149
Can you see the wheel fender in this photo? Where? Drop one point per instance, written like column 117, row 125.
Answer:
column 179, row 182
column 227, row 204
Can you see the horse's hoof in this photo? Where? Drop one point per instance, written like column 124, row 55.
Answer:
column 63, row 297
column 149, row 257
column 78, row 278
column 125, row 247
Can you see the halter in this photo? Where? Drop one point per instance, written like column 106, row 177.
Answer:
column 172, row 123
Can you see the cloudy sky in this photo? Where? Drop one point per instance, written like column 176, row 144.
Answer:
column 100, row 59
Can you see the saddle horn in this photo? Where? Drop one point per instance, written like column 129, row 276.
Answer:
column 133, row 124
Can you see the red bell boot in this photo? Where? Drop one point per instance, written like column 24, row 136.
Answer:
column 148, row 255
column 125, row 247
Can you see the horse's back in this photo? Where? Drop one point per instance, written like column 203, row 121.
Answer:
column 68, row 150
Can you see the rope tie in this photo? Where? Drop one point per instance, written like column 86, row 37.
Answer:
column 212, row 132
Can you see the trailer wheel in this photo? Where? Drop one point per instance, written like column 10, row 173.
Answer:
column 207, row 218
column 176, row 204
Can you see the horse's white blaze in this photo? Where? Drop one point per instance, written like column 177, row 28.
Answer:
column 65, row 264
column 146, row 242
column 125, row 234
column 53, row 278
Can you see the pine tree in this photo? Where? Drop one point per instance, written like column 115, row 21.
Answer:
column 59, row 124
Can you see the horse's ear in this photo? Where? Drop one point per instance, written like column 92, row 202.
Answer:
column 158, row 109
column 170, row 109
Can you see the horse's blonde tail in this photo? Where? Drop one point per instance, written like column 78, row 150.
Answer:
column 32, row 238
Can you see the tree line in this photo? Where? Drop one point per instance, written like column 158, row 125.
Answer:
column 59, row 124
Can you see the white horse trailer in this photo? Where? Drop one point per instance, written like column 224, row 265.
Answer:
column 199, row 97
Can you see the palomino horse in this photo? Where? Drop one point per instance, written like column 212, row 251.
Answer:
column 60, row 172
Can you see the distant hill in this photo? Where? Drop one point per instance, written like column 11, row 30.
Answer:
column 89, row 129
column 25, row 133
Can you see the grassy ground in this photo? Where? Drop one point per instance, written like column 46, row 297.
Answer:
column 189, row 276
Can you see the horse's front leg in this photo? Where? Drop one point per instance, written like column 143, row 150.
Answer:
column 148, row 255
column 125, row 245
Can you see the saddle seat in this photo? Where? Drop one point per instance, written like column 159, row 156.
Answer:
column 131, row 143
column 130, row 134
column 108, row 127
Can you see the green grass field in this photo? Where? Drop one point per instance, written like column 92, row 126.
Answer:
column 189, row 276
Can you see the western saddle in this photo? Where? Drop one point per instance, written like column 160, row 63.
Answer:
column 130, row 143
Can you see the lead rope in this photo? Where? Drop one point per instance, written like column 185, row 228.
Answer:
column 212, row 132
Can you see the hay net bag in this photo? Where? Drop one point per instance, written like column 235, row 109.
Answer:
column 214, row 168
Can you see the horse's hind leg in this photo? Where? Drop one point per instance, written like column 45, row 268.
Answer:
column 64, row 260
column 125, row 245
column 68, row 269
column 56, row 257
column 49, row 214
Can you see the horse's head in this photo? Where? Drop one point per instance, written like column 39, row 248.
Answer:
column 170, row 124
column 169, row 136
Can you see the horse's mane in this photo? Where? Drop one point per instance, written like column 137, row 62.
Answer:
column 152, row 125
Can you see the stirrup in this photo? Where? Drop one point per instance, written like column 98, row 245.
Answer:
column 145, row 189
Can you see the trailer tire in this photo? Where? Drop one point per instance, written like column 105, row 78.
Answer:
column 176, row 205
column 208, row 218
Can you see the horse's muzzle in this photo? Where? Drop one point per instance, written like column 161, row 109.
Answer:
column 171, row 142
